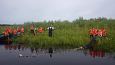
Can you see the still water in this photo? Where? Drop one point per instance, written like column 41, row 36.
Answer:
column 22, row 55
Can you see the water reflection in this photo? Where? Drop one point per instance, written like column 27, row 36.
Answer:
column 36, row 51
column 87, row 49
column 50, row 52
column 95, row 53
column 47, row 55
column 14, row 47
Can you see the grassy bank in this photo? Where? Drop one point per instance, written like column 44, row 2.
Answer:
column 69, row 34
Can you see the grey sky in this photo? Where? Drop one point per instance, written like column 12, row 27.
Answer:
column 20, row 11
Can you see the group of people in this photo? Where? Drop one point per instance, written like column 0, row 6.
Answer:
column 13, row 31
column 8, row 32
column 20, row 29
column 94, row 32
column 97, row 32
column 41, row 30
column 35, row 30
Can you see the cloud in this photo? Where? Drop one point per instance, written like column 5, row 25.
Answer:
column 20, row 11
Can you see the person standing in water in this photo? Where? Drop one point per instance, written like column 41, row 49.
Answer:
column 50, row 31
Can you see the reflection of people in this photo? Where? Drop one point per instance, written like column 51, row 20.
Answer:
column 19, row 47
column 32, row 50
column 50, row 52
column 96, row 53
column 50, row 29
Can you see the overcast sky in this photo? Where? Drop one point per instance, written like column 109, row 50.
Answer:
column 20, row 11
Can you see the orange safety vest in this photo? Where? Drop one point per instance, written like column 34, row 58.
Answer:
column 40, row 30
column 22, row 30
column 5, row 33
column 10, row 31
column 7, row 30
column 100, row 33
column 14, row 31
column 18, row 29
column 94, row 32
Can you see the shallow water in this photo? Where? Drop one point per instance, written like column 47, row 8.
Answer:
column 21, row 55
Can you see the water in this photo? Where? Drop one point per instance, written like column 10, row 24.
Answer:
column 22, row 55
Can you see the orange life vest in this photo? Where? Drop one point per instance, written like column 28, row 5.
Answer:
column 40, row 30
column 8, row 30
column 22, row 30
column 100, row 33
column 6, row 33
column 14, row 31
column 94, row 32
column 18, row 29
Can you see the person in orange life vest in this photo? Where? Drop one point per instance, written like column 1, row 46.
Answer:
column 22, row 29
column 40, row 30
column 14, row 32
column 100, row 33
column 18, row 30
column 95, row 32
column 5, row 33
column 8, row 29
column 104, row 33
